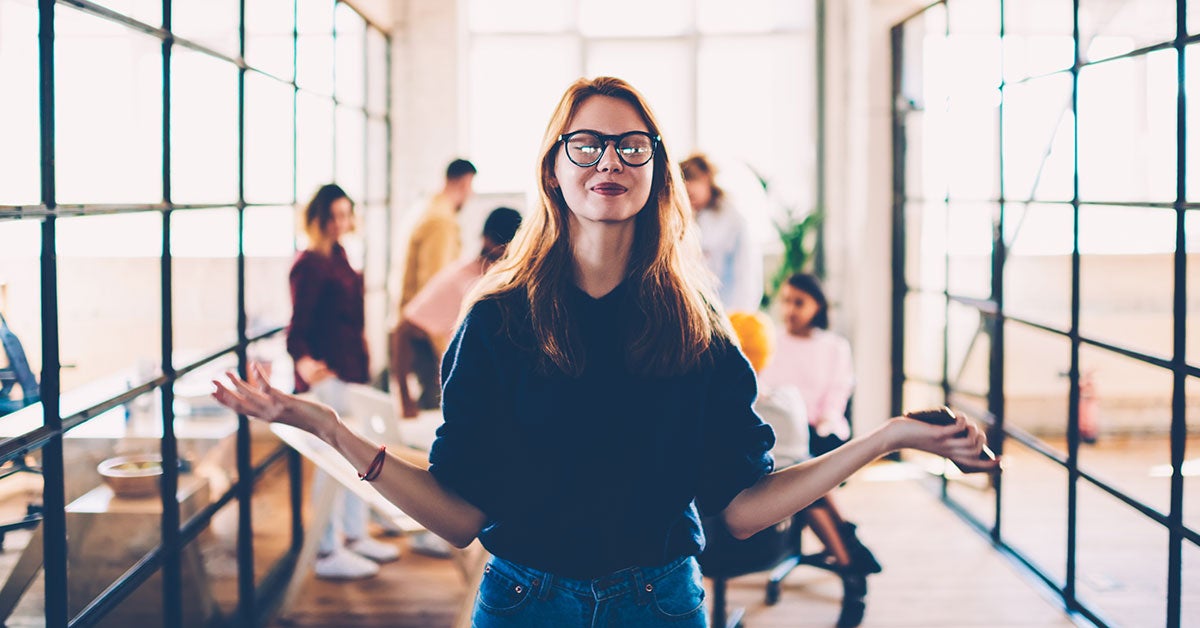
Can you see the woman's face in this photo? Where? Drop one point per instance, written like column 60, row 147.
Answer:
column 799, row 308
column 699, row 191
column 342, row 220
column 609, row 191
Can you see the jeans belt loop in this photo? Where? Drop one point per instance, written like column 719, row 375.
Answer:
column 642, row 587
column 541, row 585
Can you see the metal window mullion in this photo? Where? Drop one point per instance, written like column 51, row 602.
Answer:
column 899, row 224
column 1069, row 589
column 821, row 148
column 247, row 611
column 996, row 383
column 54, row 525
column 172, row 574
column 1180, row 312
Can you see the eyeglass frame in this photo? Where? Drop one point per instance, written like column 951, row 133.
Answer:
column 655, row 140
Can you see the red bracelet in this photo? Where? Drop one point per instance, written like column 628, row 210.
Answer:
column 376, row 465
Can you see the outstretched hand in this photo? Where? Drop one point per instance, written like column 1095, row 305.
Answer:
column 960, row 440
column 258, row 399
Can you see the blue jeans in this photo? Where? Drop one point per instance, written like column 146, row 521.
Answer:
column 514, row 595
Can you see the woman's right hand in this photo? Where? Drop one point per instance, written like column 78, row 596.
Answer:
column 961, row 441
column 312, row 371
column 260, row 400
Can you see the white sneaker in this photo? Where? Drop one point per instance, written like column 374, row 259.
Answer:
column 342, row 564
column 375, row 550
column 429, row 544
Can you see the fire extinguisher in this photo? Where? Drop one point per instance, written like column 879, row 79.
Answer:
column 1089, row 410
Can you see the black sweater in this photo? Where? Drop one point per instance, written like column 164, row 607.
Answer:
column 583, row 476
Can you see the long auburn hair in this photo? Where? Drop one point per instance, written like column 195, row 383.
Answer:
column 679, row 316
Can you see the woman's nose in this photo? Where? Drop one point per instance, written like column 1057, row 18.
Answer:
column 609, row 161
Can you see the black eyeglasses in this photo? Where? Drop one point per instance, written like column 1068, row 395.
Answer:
column 585, row 148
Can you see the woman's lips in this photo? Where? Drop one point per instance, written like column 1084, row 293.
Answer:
column 609, row 189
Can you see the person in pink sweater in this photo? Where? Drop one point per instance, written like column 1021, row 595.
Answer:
column 815, row 361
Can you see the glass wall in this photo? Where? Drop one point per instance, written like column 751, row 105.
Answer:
column 1045, row 230
column 157, row 156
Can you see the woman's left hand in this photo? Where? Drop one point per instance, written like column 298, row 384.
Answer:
column 257, row 398
column 961, row 441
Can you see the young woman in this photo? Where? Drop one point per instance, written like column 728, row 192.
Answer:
column 326, row 342
column 814, row 360
column 594, row 400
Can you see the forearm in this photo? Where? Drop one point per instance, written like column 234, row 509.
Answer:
column 779, row 495
column 408, row 484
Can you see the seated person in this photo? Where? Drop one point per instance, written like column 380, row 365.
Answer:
column 432, row 314
column 783, row 408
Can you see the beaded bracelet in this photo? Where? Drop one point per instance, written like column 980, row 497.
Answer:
column 376, row 466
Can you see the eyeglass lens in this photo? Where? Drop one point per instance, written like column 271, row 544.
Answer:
column 586, row 149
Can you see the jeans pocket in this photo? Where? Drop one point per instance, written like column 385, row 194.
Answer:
column 499, row 594
column 679, row 596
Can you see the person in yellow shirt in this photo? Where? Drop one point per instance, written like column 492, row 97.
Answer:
column 435, row 243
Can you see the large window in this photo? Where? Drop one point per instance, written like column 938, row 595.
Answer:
column 1046, row 166
column 735, row 81
column 149, row 200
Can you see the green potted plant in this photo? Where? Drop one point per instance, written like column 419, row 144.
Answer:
column 799, row 238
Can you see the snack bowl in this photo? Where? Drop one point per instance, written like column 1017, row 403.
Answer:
column 132, row 476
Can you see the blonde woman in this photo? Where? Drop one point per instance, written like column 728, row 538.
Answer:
column 594, row 402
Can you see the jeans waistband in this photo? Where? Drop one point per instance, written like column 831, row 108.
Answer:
column 637, row 580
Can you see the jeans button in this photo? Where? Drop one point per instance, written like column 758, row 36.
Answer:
column 649, row 588
column 518, row 588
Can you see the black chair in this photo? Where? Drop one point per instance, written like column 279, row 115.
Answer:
column 776, row 549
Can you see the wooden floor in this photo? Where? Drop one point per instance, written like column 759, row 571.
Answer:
column 937, row 573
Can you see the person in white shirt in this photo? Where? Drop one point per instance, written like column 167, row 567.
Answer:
column 814, row 360
column 730, row 250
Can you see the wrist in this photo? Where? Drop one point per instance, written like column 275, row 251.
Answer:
column 887, row 437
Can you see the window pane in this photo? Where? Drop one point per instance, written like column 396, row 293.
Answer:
column 972, row 117
column 350, row 55
column 1037, row 271
column 204, row 272
column 1112, row 27
column 1126, row 276
column 21, row 300
column 1127, row 129
column 970, row 249
column 1192, row 233
column 1192, row 119
column 109, row 331
column 269, row 241
column 505, row 132
column 612, row 17
column 20, row 161
column 377, row 72
column 1034, row 502
column 666, row 83
column 314, row 46
column 1036, row 387
column 212, row 23
column 924, row 325
column 969, row 352
column 925, row 246
column 204, row 129
column 748, row 16
column 269, row 36
column 1039, row 140
column 1125, row 406
column 350, row 169
column 520, row 16
column 755, row 105
column 108, row 82
column 314, row 143
column 377, row 161
column 268, row 148
column 1037, row 37
column 1121, row 560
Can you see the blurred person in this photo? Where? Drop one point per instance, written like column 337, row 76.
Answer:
column 429, row 319
column 784, row 410
column 594, row 401
column 435, row 243
column 327, row 344
column 814, row 360
column 730, row 250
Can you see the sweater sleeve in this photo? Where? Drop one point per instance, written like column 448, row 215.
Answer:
column 841, row 380
column 737, row 444
column 305, row 281
column 463, row 457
